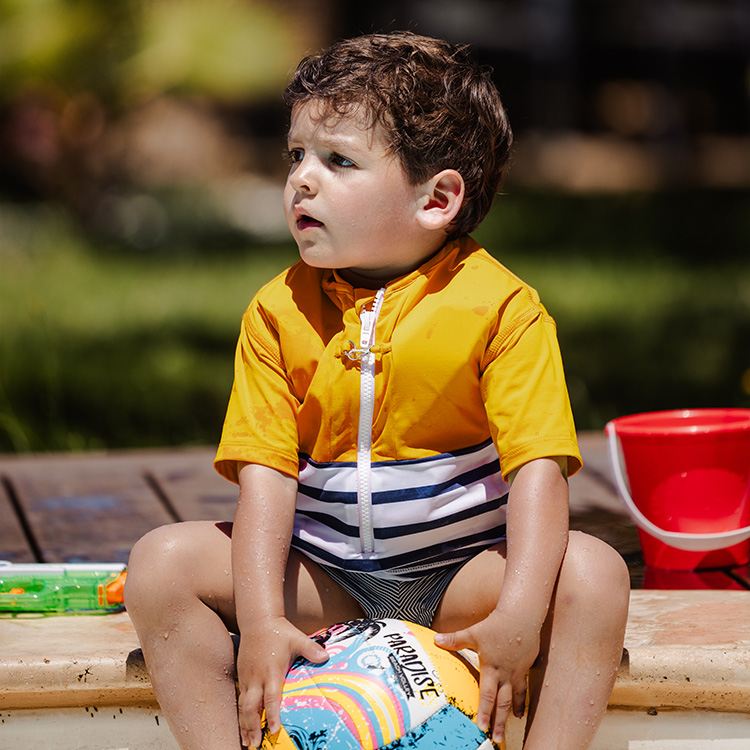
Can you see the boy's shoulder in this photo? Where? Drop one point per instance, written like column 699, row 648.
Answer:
column 486, row 275
column 288, row 286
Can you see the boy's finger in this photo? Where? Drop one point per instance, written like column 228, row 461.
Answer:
column 489, row 695
column 272, row 704
column 503, row 705
column 455, row 641
column 519, row 700
column 313, row 652
column 249, row 709
column 250, row 728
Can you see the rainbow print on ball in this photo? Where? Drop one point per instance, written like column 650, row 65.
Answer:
column 385, row 686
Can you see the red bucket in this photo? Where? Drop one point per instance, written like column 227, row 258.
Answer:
column 689, row 476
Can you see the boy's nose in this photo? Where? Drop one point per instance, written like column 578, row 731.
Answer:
column 302, row 178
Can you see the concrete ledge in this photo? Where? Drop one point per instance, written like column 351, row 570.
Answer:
column 685, row 650
column 72, row 661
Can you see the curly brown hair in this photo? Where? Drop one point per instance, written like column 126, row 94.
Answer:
column 438, row 108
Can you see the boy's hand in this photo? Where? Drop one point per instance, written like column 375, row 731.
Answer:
column 506, row 649
column 266, row 652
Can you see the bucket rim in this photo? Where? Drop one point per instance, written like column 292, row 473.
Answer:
column 682, row 422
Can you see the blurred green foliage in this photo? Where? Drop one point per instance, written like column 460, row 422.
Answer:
column 105, row 348
column 123, row 51
column 100, row 348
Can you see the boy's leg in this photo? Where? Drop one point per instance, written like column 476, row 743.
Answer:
column 581, row 641
column 179, row 595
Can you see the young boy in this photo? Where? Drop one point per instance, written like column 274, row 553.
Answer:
column 399, row 428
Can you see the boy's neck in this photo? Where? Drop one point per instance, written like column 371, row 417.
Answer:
column 374, row 280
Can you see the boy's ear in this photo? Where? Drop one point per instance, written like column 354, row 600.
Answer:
column 442, row 198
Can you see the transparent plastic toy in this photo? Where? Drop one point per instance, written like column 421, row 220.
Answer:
column 68, row 588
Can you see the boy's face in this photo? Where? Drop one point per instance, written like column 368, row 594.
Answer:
column 347, row 201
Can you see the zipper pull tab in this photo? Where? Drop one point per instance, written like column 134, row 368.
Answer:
column 368, row 318
column 366, row 335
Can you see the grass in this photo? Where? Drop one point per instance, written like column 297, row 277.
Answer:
column 111, row 349
column 103, row 347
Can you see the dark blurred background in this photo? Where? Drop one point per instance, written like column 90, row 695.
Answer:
column 141, row 177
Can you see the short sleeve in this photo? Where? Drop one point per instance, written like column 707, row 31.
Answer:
column 261, row 420
column 524, row 390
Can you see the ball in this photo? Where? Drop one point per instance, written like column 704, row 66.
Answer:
column 385, row 686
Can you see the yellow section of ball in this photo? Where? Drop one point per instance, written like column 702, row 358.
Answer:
column 459, row 678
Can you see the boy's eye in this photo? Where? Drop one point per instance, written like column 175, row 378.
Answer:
column 341, row 161
column 295, row 155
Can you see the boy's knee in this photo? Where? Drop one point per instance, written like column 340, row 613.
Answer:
column 595, row 571
column 155, row 559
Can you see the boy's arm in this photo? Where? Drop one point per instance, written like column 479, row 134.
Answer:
column 268, row 641
column 508, row 639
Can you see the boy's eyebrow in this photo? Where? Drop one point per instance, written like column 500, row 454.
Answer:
column 334, row 141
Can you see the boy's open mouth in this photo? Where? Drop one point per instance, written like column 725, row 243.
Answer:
column 307, row 222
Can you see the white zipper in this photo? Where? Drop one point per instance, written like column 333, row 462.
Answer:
column 368, row 319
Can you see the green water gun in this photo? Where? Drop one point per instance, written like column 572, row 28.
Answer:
column 68, row 588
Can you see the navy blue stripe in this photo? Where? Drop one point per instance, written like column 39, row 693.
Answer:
column 420, row 493
column 393, row 532
column 331, row 522
column 401, row 462
column 426, row 555
column 327, row 496
column 408, row 493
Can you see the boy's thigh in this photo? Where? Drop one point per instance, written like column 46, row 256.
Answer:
column 473, row 592
column 196, row 556
column 589, row 566
column 312, row 599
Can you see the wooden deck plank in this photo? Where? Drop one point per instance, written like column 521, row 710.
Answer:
column 192, row 487
column 694, row 580
column 595, row 509
column 14, row 546
column 86, row 509
column 593, row 447
column 741, row 575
